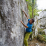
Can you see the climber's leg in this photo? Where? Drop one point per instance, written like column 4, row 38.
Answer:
column 26, row 38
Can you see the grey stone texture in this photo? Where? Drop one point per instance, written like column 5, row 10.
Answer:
column 11, row 29
column 40, row 22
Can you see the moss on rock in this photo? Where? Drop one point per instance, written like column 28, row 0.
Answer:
column 40, row 38
column 41, row 31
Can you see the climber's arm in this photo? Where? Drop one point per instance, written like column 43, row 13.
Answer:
column 24, row 25
column 25, row 14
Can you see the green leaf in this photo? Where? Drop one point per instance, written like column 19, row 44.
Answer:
column 26, row 0
column 35, row 10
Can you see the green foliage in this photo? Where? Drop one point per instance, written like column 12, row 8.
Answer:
column 44, row 10
column 26, row 0
column 41, row 38
column 40, row 31
column 44, row 36
column 35, row 10
column 41, row 35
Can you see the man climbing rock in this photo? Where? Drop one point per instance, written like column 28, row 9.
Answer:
column 28, row 29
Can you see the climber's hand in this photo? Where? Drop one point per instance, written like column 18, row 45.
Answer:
column 25, row 14
column 23, row 10
column 24, row 25
column 21, row 22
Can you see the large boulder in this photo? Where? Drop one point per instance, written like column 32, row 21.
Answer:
column 42, row 14
column 40, row 22
column 42, row 18
column 11, row 29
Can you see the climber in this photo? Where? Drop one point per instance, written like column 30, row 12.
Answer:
column 28, row 29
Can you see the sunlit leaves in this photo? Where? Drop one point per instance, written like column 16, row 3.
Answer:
column 35, row 10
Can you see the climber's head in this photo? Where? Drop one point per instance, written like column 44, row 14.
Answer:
column 31, row 21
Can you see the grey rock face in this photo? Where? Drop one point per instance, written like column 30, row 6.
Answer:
column 11, row 29
column 40, row 22
column 42, row 17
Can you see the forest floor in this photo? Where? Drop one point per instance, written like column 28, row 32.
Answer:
column 35, row 42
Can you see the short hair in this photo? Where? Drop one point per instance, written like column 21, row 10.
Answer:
column 32, row 20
